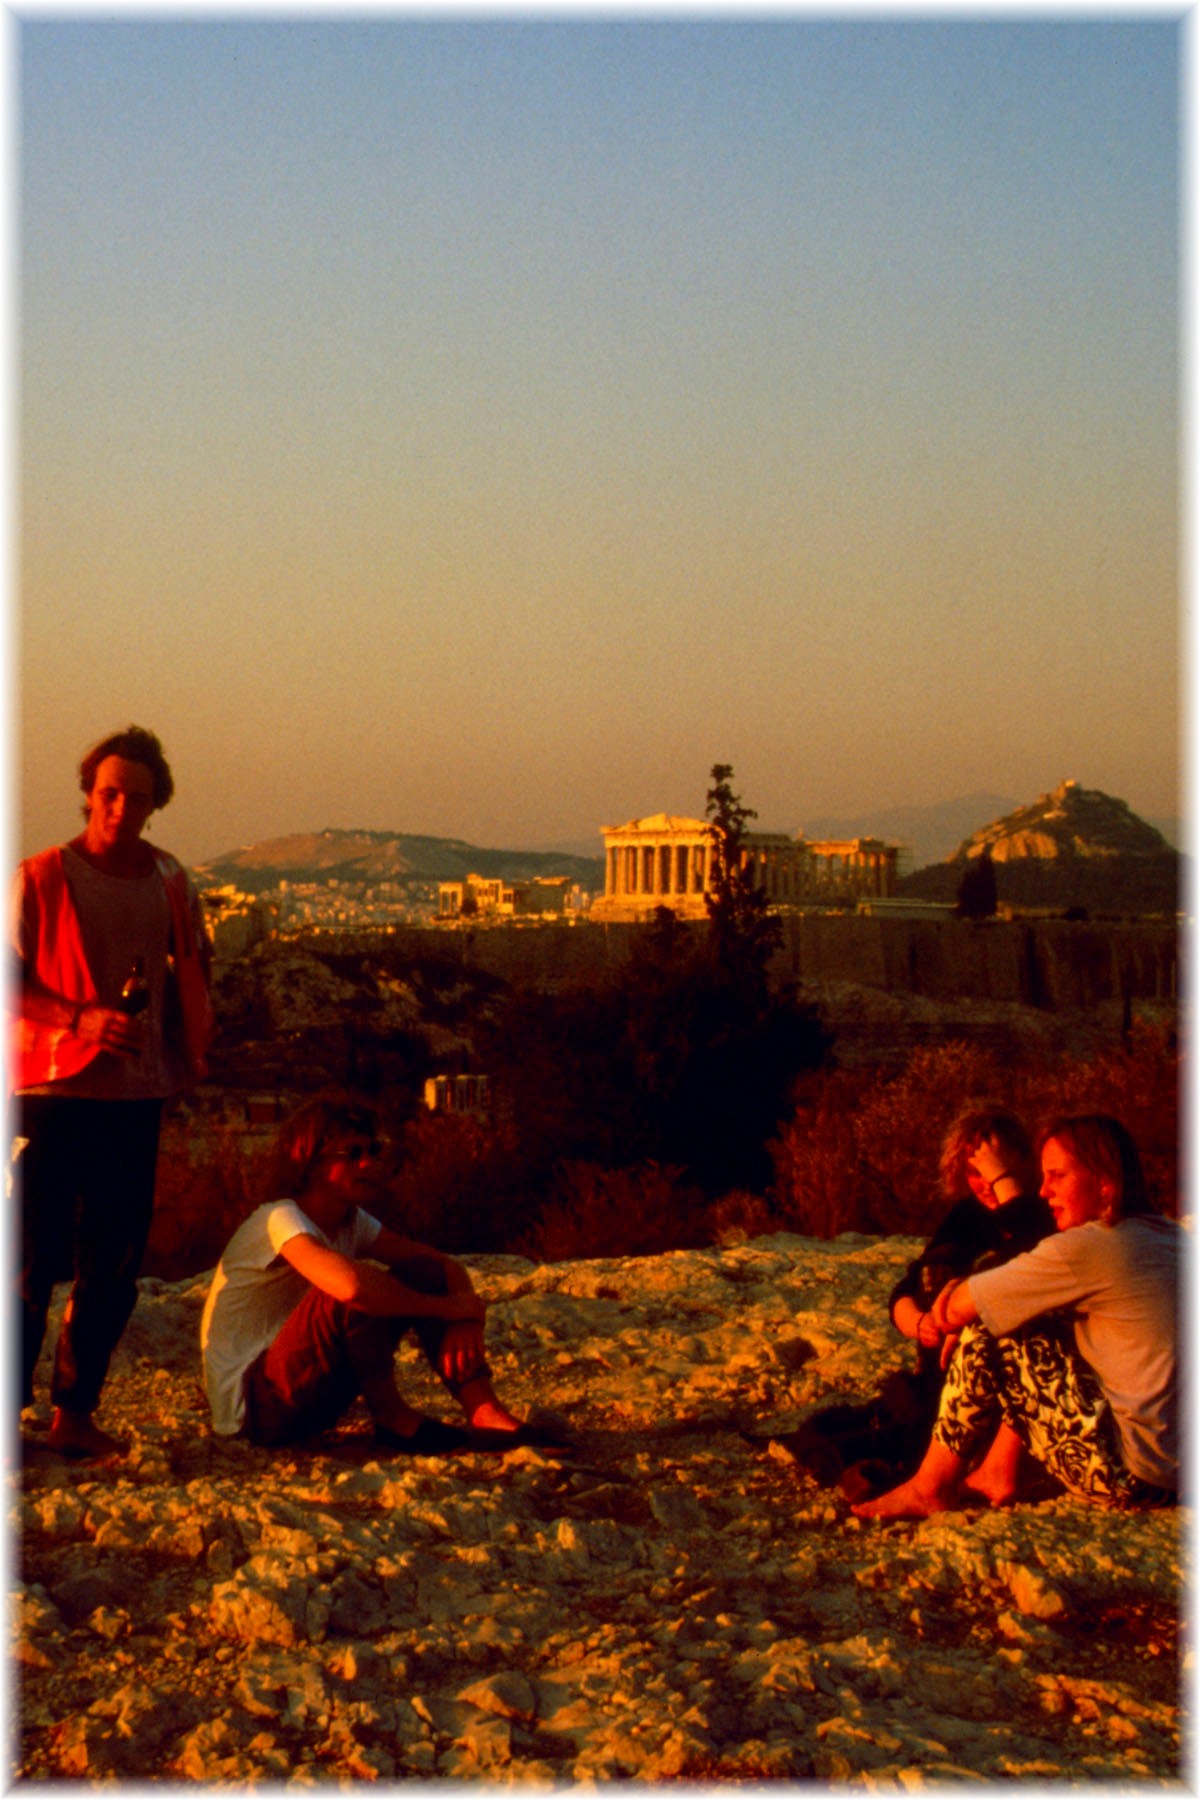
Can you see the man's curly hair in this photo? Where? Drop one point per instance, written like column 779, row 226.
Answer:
column 135, row 744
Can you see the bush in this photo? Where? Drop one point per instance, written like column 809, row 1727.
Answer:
column 674, row 1063
column 820, row 1185
column 200, row 1200
column 900, row 1125
column 737, row 1217
column 1138, row 1081
column 598, row 1212
column 458, row 1185
column 861, row 1152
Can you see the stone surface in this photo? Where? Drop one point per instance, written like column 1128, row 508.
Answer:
column 671, row 1599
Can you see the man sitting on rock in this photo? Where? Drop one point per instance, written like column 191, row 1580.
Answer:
column 312, row 1295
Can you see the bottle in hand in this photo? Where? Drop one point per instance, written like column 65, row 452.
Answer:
column 135, row 995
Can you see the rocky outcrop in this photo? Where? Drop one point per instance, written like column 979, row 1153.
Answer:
column 673, row 1598
column 1074, row 848
column 1071, row 822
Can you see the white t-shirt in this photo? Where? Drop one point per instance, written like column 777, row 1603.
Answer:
column 253, row 1292
column 1120, row 1283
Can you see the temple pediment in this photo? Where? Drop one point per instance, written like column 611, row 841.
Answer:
column 660, row 822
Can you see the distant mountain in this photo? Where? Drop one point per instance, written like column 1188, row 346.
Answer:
column 929, row 833
column 375, row 856
column 1075, row 847
column 585, row 847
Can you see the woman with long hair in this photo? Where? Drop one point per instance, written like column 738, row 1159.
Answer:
column 988, row 1220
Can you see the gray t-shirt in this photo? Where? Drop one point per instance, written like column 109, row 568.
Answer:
column 1120, row 1284
column 120, row 918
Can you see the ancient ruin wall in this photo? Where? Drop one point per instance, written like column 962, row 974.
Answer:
column 1049, row 963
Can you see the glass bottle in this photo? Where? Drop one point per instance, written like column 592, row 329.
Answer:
column 135, row 995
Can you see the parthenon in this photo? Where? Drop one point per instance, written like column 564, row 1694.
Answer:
column 665, row 860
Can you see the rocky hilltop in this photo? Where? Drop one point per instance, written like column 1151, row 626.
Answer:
column 1072, row 822
column 383, row 856
column 672, row 1598
column 1075, row 847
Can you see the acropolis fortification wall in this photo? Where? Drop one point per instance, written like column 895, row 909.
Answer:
column 1051, row 963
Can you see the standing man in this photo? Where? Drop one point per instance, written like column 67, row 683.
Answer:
column 111, row 1016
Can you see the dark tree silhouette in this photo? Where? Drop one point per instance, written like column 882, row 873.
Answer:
column 685, row 1057
column 977, row 889
column 745, row 934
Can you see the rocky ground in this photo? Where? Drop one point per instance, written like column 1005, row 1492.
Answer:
column 670, row 1600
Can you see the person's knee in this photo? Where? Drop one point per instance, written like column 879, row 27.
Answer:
column 425, row 1274
column 370, row 1339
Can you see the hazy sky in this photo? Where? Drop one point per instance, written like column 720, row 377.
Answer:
column 482, row 426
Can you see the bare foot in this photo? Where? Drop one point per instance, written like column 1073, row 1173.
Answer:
column 490, row 1415
column 74, row 1434
column 992, row 1493
column 908, row 1501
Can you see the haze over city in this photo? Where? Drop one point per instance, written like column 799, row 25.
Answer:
column 480, row 426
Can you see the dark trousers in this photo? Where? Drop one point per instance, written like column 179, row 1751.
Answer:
column 83, row 1175
column 326, row 1352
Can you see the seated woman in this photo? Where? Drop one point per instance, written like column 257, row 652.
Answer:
column 1097, row 1403
column 990, row 1220
column 313, row 1293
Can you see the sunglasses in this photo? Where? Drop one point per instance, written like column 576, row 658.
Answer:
column 367, row 1151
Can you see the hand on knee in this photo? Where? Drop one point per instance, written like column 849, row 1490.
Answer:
column 460, row 1356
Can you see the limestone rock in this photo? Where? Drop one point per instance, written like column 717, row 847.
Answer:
column 506, row 1693
column 1033, row 1595
column 263, row 1603
column 667, row 1601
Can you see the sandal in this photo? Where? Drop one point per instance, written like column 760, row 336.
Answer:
column 432, row 1437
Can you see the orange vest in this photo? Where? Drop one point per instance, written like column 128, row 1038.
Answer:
column 42, row 1053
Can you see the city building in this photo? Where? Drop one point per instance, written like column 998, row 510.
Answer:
column 236, row 922
column 459, row 1094
column 479, row 896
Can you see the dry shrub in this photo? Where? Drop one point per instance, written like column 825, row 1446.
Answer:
column 861, row 1152
column 593, row 1212
column 737, row 1217
column 457, row 1185
column 200, row 1199
column 1138, row 1081
column 819, row 1189
column 900, row 1126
